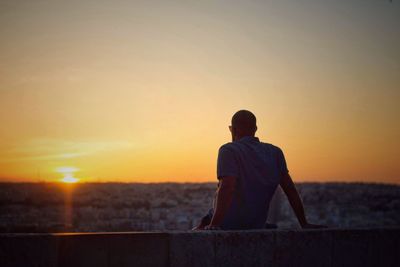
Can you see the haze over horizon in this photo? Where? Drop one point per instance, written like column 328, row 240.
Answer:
column 144, row 91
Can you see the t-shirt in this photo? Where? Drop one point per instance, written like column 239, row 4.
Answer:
column 258, row 168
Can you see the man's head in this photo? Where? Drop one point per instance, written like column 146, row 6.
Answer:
column 244, row 123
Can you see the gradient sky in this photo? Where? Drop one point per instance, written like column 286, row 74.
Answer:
column 144, row 91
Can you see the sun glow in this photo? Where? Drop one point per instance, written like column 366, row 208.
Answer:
column 69, row 179
column 68, row 173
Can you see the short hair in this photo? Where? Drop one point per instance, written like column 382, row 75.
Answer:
column 245, row 121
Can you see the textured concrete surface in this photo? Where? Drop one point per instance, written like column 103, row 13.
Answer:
column 328, row 247
column 28, row 250
column 303, row 248
column 189, row 249
column 114, row 249
column 366, row 248
column 245, row 248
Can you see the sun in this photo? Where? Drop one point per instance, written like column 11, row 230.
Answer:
column 68, row 173
column 69, row 180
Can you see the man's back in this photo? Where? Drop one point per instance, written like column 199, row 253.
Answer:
column 258, row 168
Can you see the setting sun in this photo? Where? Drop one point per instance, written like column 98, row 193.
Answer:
column 68, row 173
column 69, row 179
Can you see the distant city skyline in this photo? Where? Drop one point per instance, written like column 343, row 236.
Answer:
column 143, row 91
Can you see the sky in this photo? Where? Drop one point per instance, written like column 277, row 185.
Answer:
column 144, row 91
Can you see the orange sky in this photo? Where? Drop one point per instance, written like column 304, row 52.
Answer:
column 144, row 92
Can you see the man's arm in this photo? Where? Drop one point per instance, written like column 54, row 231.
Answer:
column 224, row 198
column 295, row 201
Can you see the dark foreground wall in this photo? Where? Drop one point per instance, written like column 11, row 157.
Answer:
column 332, row 247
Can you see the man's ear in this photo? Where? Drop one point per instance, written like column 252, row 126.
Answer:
column 255, row 130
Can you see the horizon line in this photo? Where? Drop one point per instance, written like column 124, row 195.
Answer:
column 200, row 182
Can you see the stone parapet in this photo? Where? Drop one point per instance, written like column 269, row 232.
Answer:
column 327, row 247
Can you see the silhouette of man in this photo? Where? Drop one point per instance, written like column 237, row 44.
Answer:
column 249, row 172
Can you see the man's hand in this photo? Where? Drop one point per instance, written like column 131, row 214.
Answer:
column 207, row 227
column 212, row 227
column 198, row 228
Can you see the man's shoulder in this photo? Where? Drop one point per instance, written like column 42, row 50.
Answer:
column 274, row 148
column 230, row 148
column 227, row 146
column 271, row 146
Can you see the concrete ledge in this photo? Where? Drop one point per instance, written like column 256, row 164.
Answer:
column 328, row 247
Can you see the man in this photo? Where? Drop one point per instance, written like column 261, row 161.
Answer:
column 249, row 172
